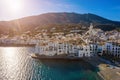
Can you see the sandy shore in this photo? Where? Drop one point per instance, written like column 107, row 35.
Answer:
column 107, row 71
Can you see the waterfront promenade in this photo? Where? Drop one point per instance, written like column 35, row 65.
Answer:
column 106, row 70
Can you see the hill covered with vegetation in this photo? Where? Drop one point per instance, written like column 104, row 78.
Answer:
column 61, row 21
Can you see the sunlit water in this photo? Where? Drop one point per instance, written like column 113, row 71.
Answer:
column 16, row 64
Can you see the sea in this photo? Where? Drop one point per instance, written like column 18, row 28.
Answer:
column 17, row 64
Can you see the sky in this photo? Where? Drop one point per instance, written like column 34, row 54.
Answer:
column 13, row 9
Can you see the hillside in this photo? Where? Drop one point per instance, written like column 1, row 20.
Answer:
column 52, row 19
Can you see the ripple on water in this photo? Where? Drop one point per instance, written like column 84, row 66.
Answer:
column 15, row 64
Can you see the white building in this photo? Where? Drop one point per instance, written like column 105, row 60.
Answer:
column 88, row 50
column 113, row 48
column 56, row 48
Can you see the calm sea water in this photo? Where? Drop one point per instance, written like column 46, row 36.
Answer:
column 16, row 64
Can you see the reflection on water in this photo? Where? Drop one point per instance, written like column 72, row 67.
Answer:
column 15, row 64
column 10, row 56
column 11, row 60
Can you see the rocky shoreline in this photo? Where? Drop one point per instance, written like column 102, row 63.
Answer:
column 56, row 57
column 106, row 71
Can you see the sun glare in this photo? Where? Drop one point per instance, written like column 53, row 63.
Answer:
column 10, row 51
column 14, row 6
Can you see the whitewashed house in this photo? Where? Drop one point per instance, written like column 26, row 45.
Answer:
column 56, row 48
column 88, row 50
column 113, row 48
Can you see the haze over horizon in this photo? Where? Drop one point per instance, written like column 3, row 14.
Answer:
column 14, row 9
